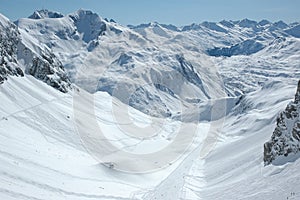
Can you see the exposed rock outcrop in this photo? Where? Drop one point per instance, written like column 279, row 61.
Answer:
column 44, row 13
column 50, row 70
column 246, row 47
column 41, row 64
column 286, row 136
column 8, row 48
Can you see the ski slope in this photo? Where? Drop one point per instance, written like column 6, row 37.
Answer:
column 43, row 157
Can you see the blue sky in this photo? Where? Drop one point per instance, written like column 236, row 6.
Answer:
column 178, row 12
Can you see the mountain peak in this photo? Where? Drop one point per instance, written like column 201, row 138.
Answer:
column 84, row 12
column 85, row 15
column 153, row 25
column 44, row 13
column 247, row 23
column 81, row 13
column 89, row 23
column 213, row 26
column 193, row 26
column 264, row 22
column 228, row 24
column 281, row 24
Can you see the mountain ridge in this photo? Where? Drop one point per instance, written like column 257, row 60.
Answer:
column 90, row 34
column 45, row 13
column 285, row 140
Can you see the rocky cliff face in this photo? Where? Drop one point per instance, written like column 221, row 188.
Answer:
column 8, row 48
column 286, row 136
column 43, row 64
column 50, row 70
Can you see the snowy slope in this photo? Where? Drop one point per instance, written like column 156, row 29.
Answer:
column 42, row 154
column 235, row 169
column 43, row 157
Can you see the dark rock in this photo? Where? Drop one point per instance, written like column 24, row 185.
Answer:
column 9, row 39
column 187, row 70
column 286, row 136
column 50, row 70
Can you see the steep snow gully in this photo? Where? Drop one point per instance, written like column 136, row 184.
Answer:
column 91, row 109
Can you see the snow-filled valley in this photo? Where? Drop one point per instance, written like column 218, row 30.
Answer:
column 91, row 109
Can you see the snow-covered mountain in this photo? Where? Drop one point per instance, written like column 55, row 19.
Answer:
column 21, row 53
column 104, row 56
column 206, row 95
column 100, row 55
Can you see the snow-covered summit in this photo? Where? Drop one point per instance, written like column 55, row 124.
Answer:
column 280, row 24
column 89, row 24
column 247, row 23
column 44, row 13
column 264, row 22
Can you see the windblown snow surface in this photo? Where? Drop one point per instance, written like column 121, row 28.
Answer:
column 225, row 107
